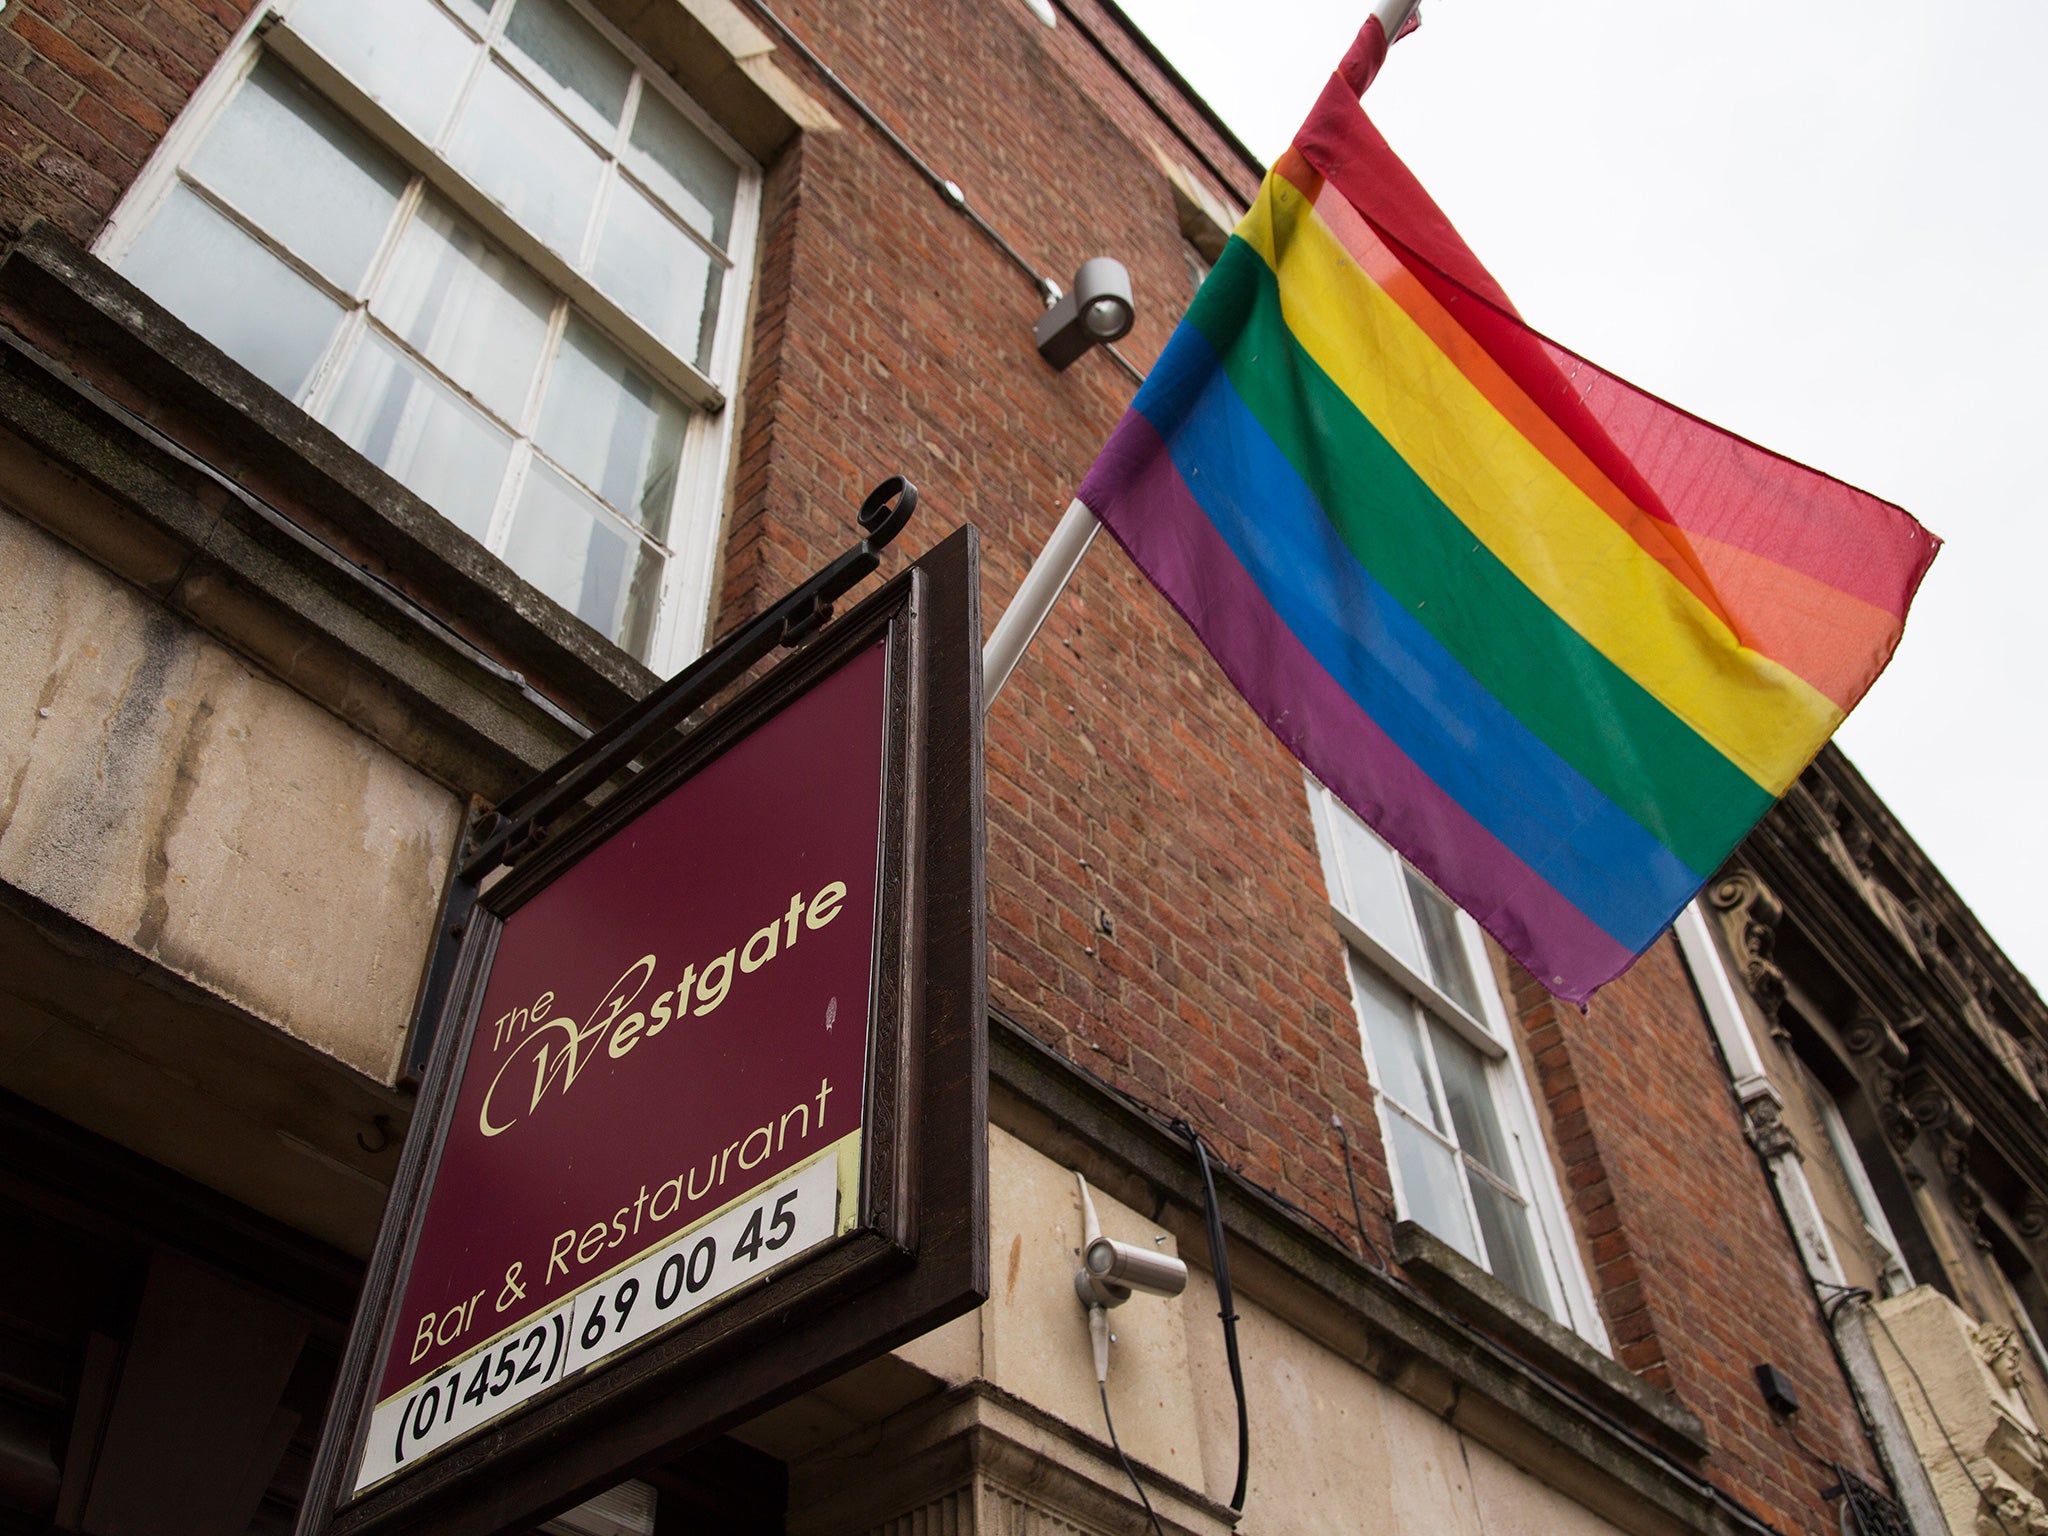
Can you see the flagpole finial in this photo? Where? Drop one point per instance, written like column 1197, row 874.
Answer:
column 1394, row 16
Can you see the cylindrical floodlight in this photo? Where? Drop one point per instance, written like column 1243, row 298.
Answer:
column 1098, row 311
column 1130, row 1268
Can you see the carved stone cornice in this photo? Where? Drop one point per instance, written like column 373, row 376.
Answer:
column 1831, row 900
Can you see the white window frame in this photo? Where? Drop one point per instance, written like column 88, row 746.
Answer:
column 698, row 511
column 1895, row 1275
column 1489, row 1033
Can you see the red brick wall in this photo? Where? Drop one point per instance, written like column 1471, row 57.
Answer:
column 1128, row 785
column 1157, row 909
column 86, row 93
column 1696, row 1275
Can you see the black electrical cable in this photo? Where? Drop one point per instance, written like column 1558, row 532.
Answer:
column 1226, row 1308
column 1178, row 1126
column 1102, row 1390
column 1844, row 1294
column 1131, row 370
column 949, row 190
column 1357, row 1210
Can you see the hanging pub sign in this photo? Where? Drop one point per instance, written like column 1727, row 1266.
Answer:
column 706, row 1117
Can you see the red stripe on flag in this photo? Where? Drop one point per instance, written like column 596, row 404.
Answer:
column 1672, row 465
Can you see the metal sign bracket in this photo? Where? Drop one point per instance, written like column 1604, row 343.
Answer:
column 496, row 836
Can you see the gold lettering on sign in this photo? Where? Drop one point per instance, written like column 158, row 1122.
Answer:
column 561, row 1048
column 545, row 1060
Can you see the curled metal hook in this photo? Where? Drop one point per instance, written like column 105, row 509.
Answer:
column 884, row 514
column 886, row 511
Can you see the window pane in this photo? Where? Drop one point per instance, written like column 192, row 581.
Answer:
column 406, row 54
column 1448, row 966
column 662, row 277
column 1510, row 1245
column 1396, row 1047
column 583, row 73
column 1430, row 1177
column 416, row 429
column 529, row 160
column 566, row 546
column 1320, row 815
column 470, row 309
column 197, row 264
column 1464, row 1073
column 283, row 157
column 1374, row 873
column 685, row 169
column 616, row 432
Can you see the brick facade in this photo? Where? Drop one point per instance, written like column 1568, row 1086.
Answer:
column 1157, row 908
column 87, row 92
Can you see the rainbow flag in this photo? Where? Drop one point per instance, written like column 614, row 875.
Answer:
column 1559, row 643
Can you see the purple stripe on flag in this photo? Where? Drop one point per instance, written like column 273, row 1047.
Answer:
column 1146, row 506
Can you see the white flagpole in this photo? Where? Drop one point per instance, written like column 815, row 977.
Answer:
column 1030, row 608
column 1057, row 562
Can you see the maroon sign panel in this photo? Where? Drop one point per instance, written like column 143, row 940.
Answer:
column 706, row 1116
column 677, row 1022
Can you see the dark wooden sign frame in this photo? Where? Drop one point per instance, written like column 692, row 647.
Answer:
column 920, row 1256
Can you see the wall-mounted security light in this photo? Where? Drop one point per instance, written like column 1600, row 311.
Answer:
column 1096, row 312
column 1110, row 1271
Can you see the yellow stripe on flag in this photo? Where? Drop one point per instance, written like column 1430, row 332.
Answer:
column 1558, row 542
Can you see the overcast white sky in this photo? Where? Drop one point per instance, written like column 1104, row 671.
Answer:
column 1822, row 224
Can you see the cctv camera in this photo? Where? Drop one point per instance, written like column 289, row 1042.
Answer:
column 1097, row 312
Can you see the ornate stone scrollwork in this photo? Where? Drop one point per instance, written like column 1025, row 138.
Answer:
column 2033, row 1220
column 1999, row 1349
column 1953, row 1125
column 1856, row 837
column 1934, row 1110
column 2010, row 1511
column 1767, row 1130
column 1926, row 931
column 1839, row 833
column 1869, row 1035
column 1882, row 1054
column 2035, row 1056
column 1899, row 1125
column 1750, row 904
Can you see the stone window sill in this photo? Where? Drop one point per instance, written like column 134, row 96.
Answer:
column 1463, row 1288
column 360, row 536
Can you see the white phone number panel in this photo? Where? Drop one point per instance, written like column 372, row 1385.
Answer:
column 603, row 1318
